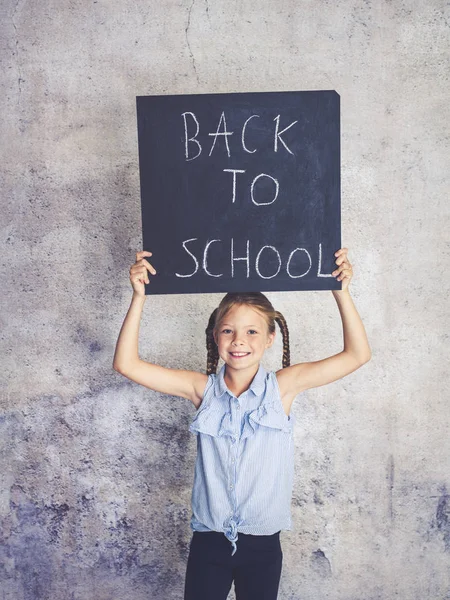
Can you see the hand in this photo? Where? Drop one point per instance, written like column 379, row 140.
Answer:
column 344, row 273
column 138, row 272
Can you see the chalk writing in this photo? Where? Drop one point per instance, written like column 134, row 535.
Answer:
column 246, row 258
column 222, row 124
column 240, row 192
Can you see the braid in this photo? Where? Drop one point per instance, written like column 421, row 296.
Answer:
column 211, row 346
column 285, row 333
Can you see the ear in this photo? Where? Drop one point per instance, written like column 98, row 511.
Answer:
column 270, row 339
column 215, row 336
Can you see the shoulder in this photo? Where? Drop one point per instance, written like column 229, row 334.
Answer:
column 283, row 378
column 293, row 380
column 273, row 402
column 272, row 391
column 202, row 383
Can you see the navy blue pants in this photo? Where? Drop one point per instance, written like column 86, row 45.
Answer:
column 255, row 567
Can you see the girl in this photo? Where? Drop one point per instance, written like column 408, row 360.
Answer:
column 245, row 462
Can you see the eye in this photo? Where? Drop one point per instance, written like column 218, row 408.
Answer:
column 252, row 331
column 226, row 331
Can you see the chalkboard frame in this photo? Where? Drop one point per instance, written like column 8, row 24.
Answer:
column 165, row 282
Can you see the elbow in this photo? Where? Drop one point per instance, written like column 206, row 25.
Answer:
column 361, row 358
column 365, row 359
column 122, row 367
column 117, row 368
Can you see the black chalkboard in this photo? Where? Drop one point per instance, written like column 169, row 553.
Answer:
column 240, row 191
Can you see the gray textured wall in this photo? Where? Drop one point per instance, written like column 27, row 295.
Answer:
column 97, row 471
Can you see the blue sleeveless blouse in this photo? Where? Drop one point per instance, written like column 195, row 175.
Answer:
column 244, row 470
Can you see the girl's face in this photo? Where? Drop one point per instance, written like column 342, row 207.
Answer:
column 242, row 337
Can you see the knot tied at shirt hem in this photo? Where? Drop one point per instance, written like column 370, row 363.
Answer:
column 231, row 533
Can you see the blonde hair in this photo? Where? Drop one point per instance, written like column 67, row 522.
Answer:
column 255, row 300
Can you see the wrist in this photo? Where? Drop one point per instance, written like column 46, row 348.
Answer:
column 341, row 293
column 138, row 297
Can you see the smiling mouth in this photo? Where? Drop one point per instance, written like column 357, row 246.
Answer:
column 239, row 354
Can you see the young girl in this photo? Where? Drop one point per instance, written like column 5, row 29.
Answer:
column 245, row 461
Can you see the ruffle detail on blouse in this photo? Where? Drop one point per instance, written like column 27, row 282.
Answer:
column 211, row 421
column 269, row 414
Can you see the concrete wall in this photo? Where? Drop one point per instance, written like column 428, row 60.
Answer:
column 97, row 471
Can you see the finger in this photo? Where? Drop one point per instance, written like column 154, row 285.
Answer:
column 150, row 267
column 142, row 253
column 138, row 273
column 341, row 258
column 143, row 263
column 343, row 266
column 345, row 274
column 141, row 270
column 143, row 275
column 344, row 263
column 341, row 251
column 135, row 269
column 145, row 272
column 137, row 278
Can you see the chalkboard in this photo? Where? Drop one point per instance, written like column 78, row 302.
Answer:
column 240, row 191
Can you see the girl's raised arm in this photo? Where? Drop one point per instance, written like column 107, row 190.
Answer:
column 187, row 384
column 297, row 378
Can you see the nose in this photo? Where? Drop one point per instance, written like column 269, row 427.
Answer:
column 236, row 341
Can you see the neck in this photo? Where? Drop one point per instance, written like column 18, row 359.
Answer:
column 238, row 381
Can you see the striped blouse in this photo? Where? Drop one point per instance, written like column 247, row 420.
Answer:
column 244, row 468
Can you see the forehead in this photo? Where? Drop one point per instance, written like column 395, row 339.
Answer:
column 241, row 312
